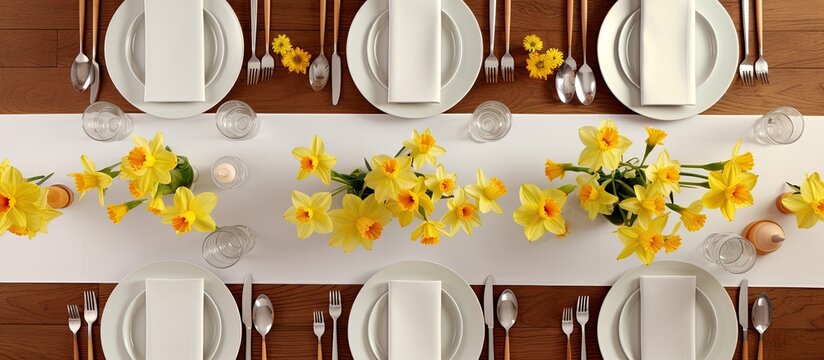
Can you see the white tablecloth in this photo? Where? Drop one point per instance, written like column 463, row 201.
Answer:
column 83, row 246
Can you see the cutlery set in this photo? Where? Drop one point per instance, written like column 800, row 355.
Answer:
column 90, row 315
column 507, row 63
column 507, row 313
column 319, row 325
column 761, row 317
column 85, row 72
column 569, row 80
column 747, row 71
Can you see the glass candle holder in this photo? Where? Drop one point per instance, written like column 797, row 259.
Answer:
column 229, row 172
column 491, row 121
column 731, row 251
column 237, row 121
column 223, row 247
column 104, row 121
column 781, row 126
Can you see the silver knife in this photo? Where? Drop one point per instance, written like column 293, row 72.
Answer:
column 335, row 57
column 247, row 313
column 743, row 314
column 95, row 74
column 489, row 316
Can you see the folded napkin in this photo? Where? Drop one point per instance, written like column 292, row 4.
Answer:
column 174, row 319
column 174, row 51
column 667, row 52
column 668, row 317
column 414, row 320
column 414, row 51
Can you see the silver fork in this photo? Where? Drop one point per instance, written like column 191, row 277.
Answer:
column 319, row 326
column 74, row 326
column 566, row 326
column 761, row 69
column 583, row 316
column 253, row 65
column 745, row 70
column 491, row 62
column 335, row 310
column 267, row 62
column 507, row 62
column 90, row 314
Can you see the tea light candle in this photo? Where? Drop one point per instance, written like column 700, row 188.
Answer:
column 225, row 173
column 59, row 196
column 229, row 172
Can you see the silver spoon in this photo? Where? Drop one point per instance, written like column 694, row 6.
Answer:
column 585, row 79
column 507, row 310
column 319, row 70
column 761, row 317
column 82, row 66
column 565, row 77
column 264, row 316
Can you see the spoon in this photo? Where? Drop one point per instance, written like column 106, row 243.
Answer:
column 565, row 77
column 81, row 67
column 507, row 310
column 761, row 316
column 319, row 70
column 585, row 79
column 264, row 317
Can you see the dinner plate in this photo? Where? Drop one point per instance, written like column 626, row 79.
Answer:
column 451, row 327
column 125, row 76
column 618, row 54
column 125, row 293
column 472, row 321
column 629, row 326
column 460, row 29
column 726, row 337
column 134, row 327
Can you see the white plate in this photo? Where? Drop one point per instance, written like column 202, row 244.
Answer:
column 714, row 29
column 471, row 315
column 451, row 327
column 121, row 72
column 114, row 314
column 609, row 317
column 134, row 327
column 371, row 86
column 629, row 326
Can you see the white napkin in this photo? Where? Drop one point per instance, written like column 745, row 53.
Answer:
column 667, row 52
column 414, row 51
column 668, row 317
column 414, row 320
column 174, row 319
column 174, row 51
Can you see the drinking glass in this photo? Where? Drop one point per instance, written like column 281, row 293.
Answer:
column 229, row 172
column 104, row 121
column 491, row 121
column 226, row 245
column 236, row 120
column 731, row 251
column 781, row 126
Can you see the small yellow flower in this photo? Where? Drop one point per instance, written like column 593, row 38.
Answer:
column 672, row 241
column 156, row 206
column 487, row 191
column 149, row 163
column 594, row 197
column 118, row 211
column 314, row 160
column 440, row 183
column 191, row 211
column 532, row 43
column 540, row 211
column 423, row 148
column 808, row 205
column 408, row 203
column 692, row 217
column 729, row 191
column 429, row 232
column 555, row 58
column 359, row 222
column 462, row 213
column 665, row 174
column 281, row 44
column 655, row 136
column 310, row 214
column 539, row 66
column 647, row 203
column 603, row 146
column 19, row 200
column 553, row 170
column 389, row 175
column 90, row 178
column 296, row 60
column 739, row 163
column 645, row 240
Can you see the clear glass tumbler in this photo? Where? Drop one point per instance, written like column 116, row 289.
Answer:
column 781, row 126
column 731, row 251
column 104, row 121
column 491, row 121
column 225, row 246
column 236, row 120
column 229, row 172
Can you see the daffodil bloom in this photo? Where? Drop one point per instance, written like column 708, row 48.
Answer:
column 389, row 175
column 310, row 213
column 191, row 211
column 313, row 160
column 594, row 197
column 462, row 213
column 808, row 205
column 692, row 217
column 359, row 222
column 739, row 163
column 409, row 202
column 553, row 170
column 647, row 203
column 603, row 146
column 540, row 211
column 729, row 191
column 149, row 163
column 118, row 211
column 37, row 223
column 655, row 136
column 533, row 43
column 487, row 191
column 672, row 241
column 90, row 178
column 429, row 232
column 441, row 183
column 423, row 148
column 19, row 200
column 644, row 240
column 156, row 206
column 664, row 174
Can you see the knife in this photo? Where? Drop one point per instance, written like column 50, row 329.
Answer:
column 247, row 313
column 743, row 315
column 489, row 316
column 335, row 57
column 95, row 74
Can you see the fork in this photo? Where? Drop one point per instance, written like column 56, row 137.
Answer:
column 566, row 325
column 745, row 70
column 491, row 62
column 583, row 316
column 74, row 326
column 507, row 62
column 90, row 313
column 253, row 65
column 335, row 310
column 319, row 326
column 761, row 71
column 267, row 62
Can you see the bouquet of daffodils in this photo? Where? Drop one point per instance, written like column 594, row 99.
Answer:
column 805, row 201
column 24, row 210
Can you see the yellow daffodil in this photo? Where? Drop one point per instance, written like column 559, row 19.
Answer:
column 655, row 136
column 118, row 211
column 440, row 183
column 310, row 213
column 729, row 191
column 423, row 148
column 692, row 217
column 19, row 200
column 281, row 44
column 603, row 146
column 540, row 211
column 462, row 213
column 553, row 170
column 90, row 178
column 647, row 203
column 149, row 163
column 191, row 211
column 672, row 241
column 594, row 197
column 408, row 203
column 156, row 206
column 532, row 43
column 664, row 175
column 808, row 205
column 359, row 222
column 539, row 66
column 554, row 57
column 645, row 240
column 389, row 175
column 429, row 232
column 37, row 223
column 487, row 191
column 296, row 60
column 313, row 160
column 739, row 163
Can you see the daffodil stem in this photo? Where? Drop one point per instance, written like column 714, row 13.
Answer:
column 625, row 186
column 339, row 190
column 615, row 190
column 40, row 179
column 695, row 175
column 701, row 184
column 400, row 151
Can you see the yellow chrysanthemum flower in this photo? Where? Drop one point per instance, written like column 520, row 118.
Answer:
column 692, row 217
column 532, row 43
column 539, row 66
column 310, row 213
column 389, row 175
column 603, row 146
column 429, row 232
column 540, row 211
column 90, row 178
column 555, row 58
column 672, row 241
column 729, row 191
column 156, row 206
column 441, row 183
column 645, row 240
column 408, row 203
column 423, row 148
column 149, row 163
column 487, row 191
column 462, row 213
column 647, row 203
column 281, row 44
column 655, row 136
column 594, row 197
column 554, row 170
column 314, row 160
column 359, row 222
column 19, row 200
column 739, row 163
column 296, row 60
column 664, row 175
column 808, row 205
column 191, row 211
column 118, row 211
